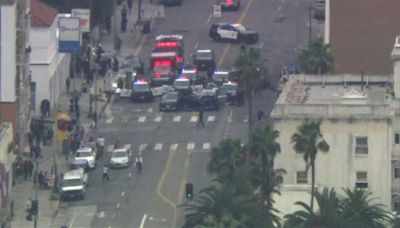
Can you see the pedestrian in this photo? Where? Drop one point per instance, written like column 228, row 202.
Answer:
column 29, row 209
column 68, row 84
column 139, row 162
column 124, row 19
column 130, row 2
column 105, row 173
column 260, row 115
column 30, row 168
column 115, row 62
column 100, row 143
column 200, row 121
column 25, row 168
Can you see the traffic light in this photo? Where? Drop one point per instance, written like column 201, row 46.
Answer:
column 35, row 207
column 189, row 190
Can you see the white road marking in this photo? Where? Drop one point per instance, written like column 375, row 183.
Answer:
column 117, row 205
column 109, row 120
column 211, row 119
column 130, row 175
column 206, row 146
column 142, row 147
column 176, row 118
column 123, row 193
column 196, row 45
column 209, row 19
column 142, row 119
column 193, row 118
column 158, row 146
column 143, row 220
column 261, row 45
column 72, row 222
column 229, row 118
column 190, row 146
column 150, row 110
column 157, row 119
column 173, row 146
column 101, row 214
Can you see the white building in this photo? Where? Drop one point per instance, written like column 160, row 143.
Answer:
column 359, row 120
column 49, row 68
column 8, row 59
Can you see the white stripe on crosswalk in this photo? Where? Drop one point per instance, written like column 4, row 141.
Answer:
column 109, row 120
column 142, row 119
column 142, row 147
column 150, row 110
column 211, row 119
column 158, row 146
column 190, row 146
column 173, row 146
column 176, row 118
column 193, row 118
column 206, row 146
column 157, row 119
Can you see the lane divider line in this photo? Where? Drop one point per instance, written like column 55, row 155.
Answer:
column 143, row 221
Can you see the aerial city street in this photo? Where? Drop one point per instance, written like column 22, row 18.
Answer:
column 199, row 113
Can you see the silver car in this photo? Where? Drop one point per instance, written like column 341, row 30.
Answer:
column 121, row 158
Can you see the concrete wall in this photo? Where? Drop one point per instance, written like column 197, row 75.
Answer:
column 49, row 68
column 8, row 54
column 338, row 167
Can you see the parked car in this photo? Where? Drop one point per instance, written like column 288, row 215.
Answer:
column 88, row 154
column 231, row 90
column 73, row 184
column 204, row 59
column 206, row 99
column 80, row 164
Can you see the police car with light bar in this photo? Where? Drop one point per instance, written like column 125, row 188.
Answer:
column 141, row 91
column 230, row 5
column 233, row 32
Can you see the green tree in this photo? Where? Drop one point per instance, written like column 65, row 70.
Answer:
column 395, row 222
column 316, row 59
column 251, row 70
column 308, row 140
column 358, row 207
column 265, row 148
column 329, row 214
column 227, row 157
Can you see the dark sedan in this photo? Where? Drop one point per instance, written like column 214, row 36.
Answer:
column 170, row 102
column 206, row 99
column 141, row 91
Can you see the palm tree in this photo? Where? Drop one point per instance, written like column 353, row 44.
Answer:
column 316, row 59
column 228, row 156
column 359, row 208
column 251, row 70
column 328, row 216
column 395, row 222
column 308, row 141
column 264, row 145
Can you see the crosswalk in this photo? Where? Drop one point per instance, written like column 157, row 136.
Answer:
column 192, row 146
column 159, row 118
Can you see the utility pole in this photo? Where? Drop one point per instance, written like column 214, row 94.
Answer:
column 139, row 11
column 23, row 78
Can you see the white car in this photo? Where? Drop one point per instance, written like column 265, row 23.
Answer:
column 121, row 158
column 73, row 184
column 88, row 154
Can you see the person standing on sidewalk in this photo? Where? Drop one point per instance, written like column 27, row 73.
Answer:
column 118, row 45
column 130, row 2
column 68, row 84
column 105, row 173
column 124, row 19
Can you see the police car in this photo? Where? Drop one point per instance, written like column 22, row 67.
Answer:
column 230, row 5
column 192, row 73
column 231, row 89
column 141, row 91
column 233, row 32
column 182, row 85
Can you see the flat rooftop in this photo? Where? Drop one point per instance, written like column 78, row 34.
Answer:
column 333, row 95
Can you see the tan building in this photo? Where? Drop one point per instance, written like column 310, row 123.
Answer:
column 361, row 34
column 360, row 120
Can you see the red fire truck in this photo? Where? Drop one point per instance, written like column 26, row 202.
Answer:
column 164, row 67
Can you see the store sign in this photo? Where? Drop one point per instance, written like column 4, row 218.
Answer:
column 84, row 16
column 68, row 34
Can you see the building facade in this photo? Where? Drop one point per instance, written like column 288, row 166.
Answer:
column 49, row 68
column 357, row 116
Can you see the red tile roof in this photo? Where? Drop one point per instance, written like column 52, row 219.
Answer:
column 42, row 14
column 362, row 35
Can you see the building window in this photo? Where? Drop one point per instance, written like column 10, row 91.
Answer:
column 301, row 177
column 362, row 145
column 396, row 205
column 396, row 138
column 397, row 172
column 361, row 179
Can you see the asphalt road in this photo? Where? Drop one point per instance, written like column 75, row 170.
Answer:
column 174, row 150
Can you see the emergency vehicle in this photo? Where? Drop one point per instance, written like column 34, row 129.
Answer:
column 182, row 85
column 170, row 43
column 164, row 67
column 141, row 91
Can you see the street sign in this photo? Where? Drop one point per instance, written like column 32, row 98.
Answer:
column 68, row 34
column 84, row 16
column 217, row 11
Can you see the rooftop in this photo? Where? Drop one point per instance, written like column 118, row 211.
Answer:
column 334, row 95
column 350, row 34
column 42, row 15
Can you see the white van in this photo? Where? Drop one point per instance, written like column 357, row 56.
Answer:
column 73, row 184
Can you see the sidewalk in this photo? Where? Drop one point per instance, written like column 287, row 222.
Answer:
column 24, row 189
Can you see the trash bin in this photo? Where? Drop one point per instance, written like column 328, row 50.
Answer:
column 146, row 27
